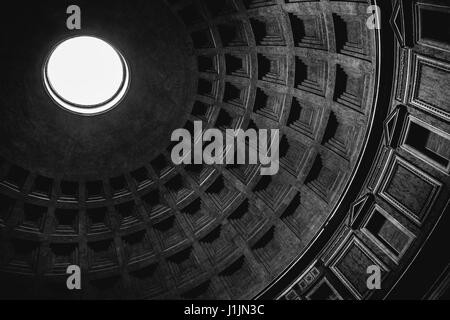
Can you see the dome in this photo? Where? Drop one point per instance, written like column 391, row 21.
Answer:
column 87, row 177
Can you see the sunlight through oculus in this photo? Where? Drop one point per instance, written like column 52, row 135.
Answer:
column 86, row 75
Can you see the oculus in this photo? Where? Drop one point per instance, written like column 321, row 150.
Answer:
column 86, row 75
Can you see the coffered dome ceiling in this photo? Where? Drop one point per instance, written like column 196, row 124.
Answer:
column 364, row 152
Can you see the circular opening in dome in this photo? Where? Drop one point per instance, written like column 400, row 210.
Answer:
column 86, row 75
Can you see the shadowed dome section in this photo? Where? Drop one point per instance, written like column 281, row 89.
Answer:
column 153, row 50
column 86, row 75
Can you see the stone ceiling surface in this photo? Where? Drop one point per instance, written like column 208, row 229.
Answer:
column 102, row 192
